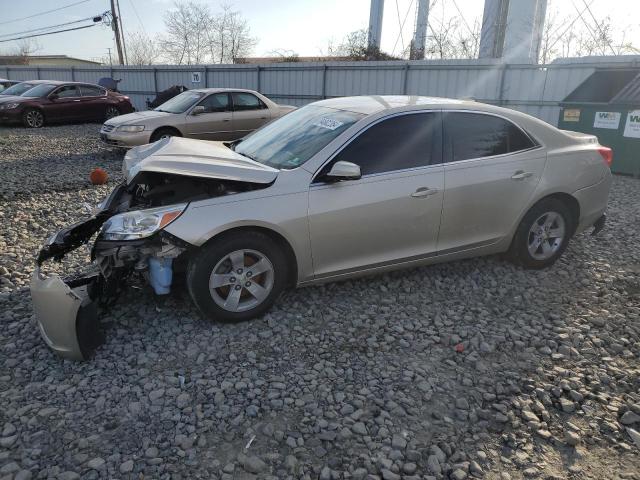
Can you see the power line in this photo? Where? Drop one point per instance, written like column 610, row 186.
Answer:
column 401, row 28
column 559, row 37
column 49, row 33
column 135, row 10
column 47, row 28
column 464, row 19
column 44, row 13
column 604, row 37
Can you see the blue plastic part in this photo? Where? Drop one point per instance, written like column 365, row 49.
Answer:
column 160, row 274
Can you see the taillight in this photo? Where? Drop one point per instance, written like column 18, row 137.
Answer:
column 607, row 155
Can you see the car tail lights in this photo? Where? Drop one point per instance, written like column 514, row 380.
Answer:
column 607, row 155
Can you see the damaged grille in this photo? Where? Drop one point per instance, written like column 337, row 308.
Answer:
column 107, row 128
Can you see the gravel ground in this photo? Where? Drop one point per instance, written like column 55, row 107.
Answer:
column 474, row 369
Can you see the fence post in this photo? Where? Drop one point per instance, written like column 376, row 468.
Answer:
column 206, row 76
column 405, row 79
column 324, row 81
column 258, row 78
column 38, row 73
column 73, row 74
column 501, row 88
column 155, row 80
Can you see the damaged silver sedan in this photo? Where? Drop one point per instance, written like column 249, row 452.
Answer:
column 336, row 189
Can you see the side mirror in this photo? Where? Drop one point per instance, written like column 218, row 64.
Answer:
column 343, row 171
column 198, row 110
column 53, row 96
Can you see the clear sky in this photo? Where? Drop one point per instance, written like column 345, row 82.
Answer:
column 304, row 26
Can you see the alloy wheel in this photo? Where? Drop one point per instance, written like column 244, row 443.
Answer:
column 546, row 236
column 111, row 112
column 35, row 119
column 241, row 280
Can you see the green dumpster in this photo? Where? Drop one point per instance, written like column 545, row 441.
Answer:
column 607, row 104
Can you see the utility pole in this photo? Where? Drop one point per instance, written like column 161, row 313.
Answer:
column 116, row 31
column 110, row 61
column 124, row 43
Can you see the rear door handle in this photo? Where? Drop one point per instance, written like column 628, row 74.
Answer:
column 424, row 192
column 521, row 175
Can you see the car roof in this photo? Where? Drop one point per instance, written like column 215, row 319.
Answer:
column 218, row 89
column 58, row 82
column 369, row 104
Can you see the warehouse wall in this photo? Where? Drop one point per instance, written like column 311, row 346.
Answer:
column 533, row 89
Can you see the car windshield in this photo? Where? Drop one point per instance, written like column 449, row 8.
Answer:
column 293, row 139
column 39, row 90
column 180, row 103
column 18, row 89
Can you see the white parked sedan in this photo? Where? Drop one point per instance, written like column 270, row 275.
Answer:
column 204, row 114
column 338, row 188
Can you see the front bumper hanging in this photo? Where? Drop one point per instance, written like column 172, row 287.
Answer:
column 67, row 314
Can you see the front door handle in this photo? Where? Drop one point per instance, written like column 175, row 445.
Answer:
column 521, row 175
column 424, row 192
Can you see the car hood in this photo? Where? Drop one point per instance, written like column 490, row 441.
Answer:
column 137, row 118
column 11, row 98
column 195, row 158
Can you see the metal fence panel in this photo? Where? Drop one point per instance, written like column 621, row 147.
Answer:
column 535, row 89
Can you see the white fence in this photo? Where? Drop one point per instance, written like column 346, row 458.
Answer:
column 535, row 89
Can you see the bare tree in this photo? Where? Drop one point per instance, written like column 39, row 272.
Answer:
column 285, row 55
column 355, row 46
column 229, row 36
column 186, row 37
column 576, row 36
column 20, row 53
column 141, row 49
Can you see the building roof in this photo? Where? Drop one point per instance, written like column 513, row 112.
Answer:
column 33, row 59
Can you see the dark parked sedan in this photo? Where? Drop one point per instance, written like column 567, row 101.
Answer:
column 4, row 84
column 58, row 102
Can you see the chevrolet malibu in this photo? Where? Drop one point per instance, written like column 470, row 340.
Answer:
column 205, row 114
column 336, row 189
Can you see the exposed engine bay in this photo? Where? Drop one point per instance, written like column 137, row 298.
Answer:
column 118, row 260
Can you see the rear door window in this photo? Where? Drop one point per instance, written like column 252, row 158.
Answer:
column 398, row 143
column 67, row 91
column 246, row 101
column 91, row 91
column 473, row 135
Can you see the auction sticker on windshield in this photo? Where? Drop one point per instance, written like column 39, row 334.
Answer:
column 328, row 123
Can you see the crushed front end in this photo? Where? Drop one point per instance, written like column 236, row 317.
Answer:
column 67, row 309
column 131, row 246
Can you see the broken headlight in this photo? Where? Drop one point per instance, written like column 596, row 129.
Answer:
column 140, row 223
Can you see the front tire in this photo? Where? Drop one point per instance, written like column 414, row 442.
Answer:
column 543, row 235
column 164, row 133
column 33, row 118
column 237, row 277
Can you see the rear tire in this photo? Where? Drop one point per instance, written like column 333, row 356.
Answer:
column 543, row 234
column 164, row 132
column 33, row 118
column 237, row 276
